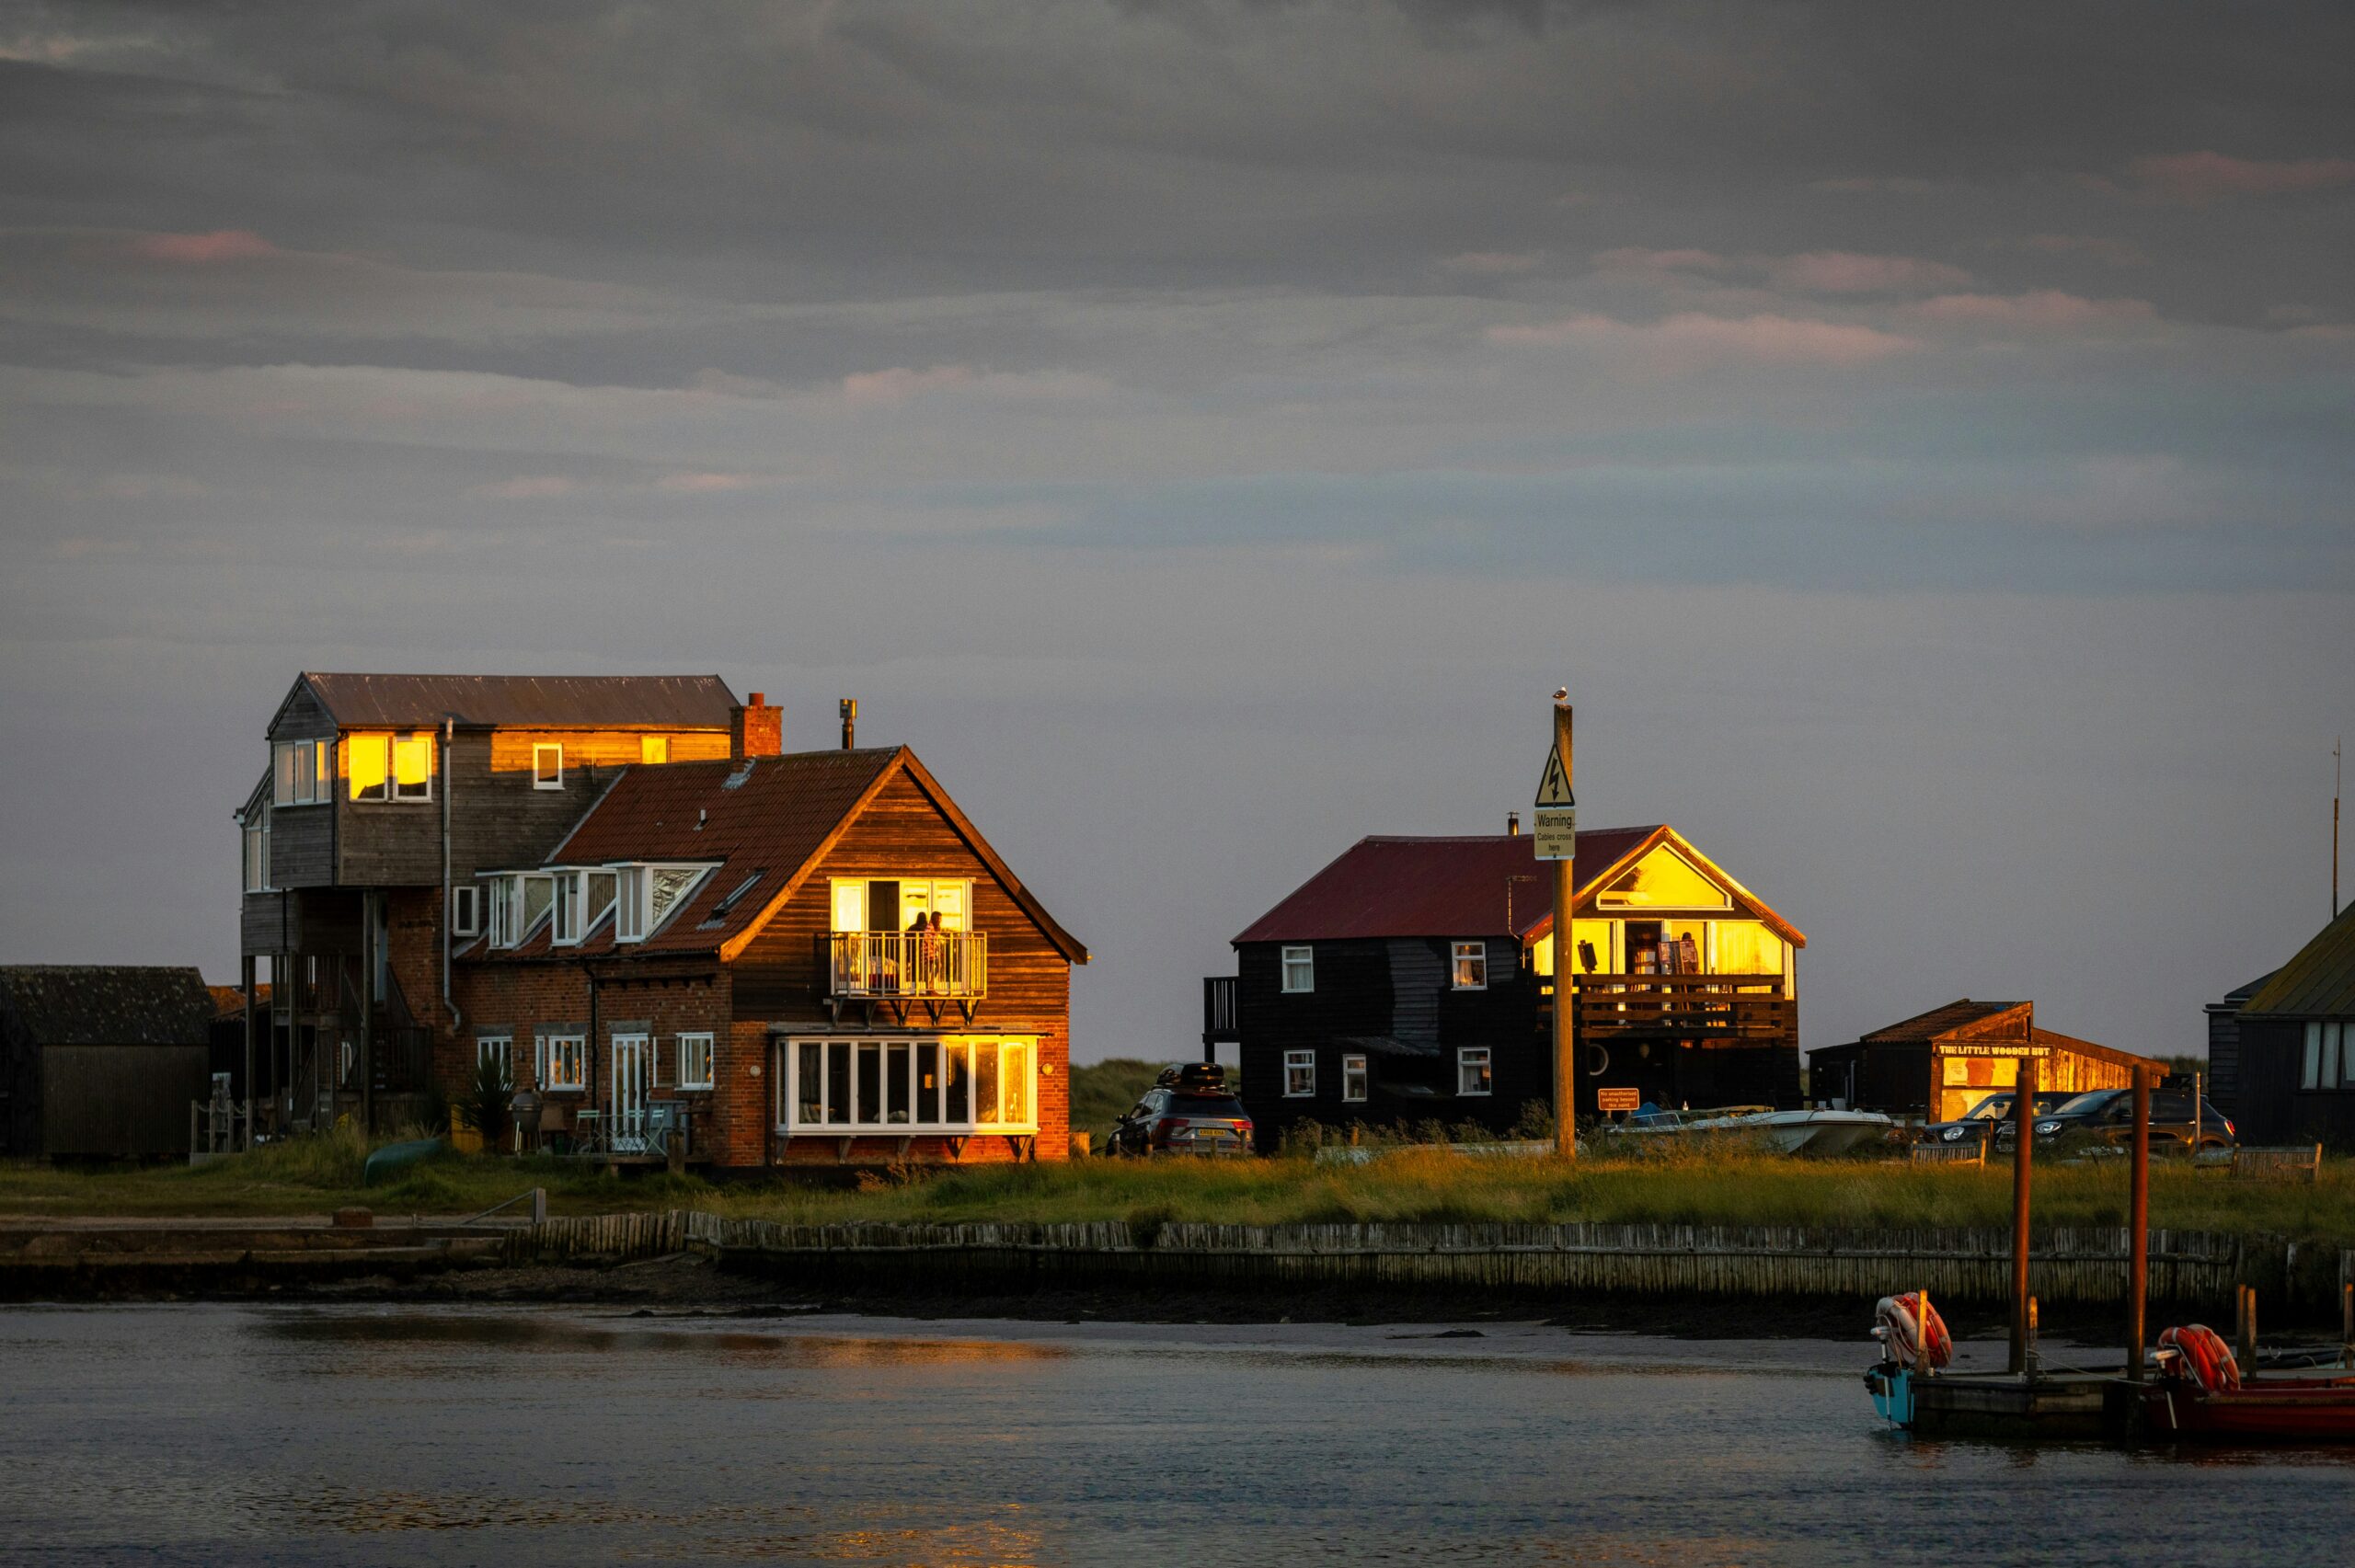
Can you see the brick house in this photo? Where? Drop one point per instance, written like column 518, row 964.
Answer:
column 734, row 941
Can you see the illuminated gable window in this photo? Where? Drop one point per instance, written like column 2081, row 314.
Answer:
column 894, row 903
column 547, row 765
column 654, row 749
column 367, row 766
column 413, row 767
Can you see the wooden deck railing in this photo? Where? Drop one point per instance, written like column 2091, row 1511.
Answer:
column 1750, row 1009
column 903, row 966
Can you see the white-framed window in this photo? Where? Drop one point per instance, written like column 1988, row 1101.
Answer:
column 498, row 1048
column 563, row 1062
column 953, row 1085
column 1472, row 1074
column 579, row 900
column 653, row 748
column 1353, row 1078
column 1300, row 1075
column 465, row 909
column 301, row 773
column 1471, row 966
column 379, row 766
column 695, row 1061
column 547, row 765
column 2326, row 1052
column 646, row 895
column 255, row 835
column 894, row 903
column 347, row 1062
column 518, row 901
column 1300, row 969
column 412, row 767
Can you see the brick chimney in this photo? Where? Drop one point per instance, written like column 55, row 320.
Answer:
column 754, row 730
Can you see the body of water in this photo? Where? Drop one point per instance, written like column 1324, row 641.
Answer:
column 208, row 1434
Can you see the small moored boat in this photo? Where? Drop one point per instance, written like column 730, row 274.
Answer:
column 1786, row 1132
column 2199, row 1395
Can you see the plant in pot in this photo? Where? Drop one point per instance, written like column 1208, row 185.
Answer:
column 488, row 1098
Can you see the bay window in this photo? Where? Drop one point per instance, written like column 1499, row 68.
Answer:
column 954, row 1085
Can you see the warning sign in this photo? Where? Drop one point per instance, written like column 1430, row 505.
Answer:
column 1557, row 834
column 1554, row 784
column 1618, row 1099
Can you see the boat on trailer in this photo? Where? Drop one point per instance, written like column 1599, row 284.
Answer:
column 1785, row 1132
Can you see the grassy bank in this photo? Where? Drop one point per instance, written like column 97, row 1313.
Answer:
column 1689, row 1188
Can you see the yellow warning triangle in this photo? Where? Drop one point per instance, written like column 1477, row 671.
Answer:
column 1554, row 786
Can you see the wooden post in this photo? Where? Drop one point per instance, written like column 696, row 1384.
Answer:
column 1566, row 882
column 2197, row 1079
column 2247, row 1349
column 2024, row 1139
column 2138, row 1229
column 245, row 977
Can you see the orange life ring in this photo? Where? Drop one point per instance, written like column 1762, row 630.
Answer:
column 2207, row 1359
column 1916, row 1332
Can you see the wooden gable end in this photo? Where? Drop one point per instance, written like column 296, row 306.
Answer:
column 902, row 831
column 302, row 716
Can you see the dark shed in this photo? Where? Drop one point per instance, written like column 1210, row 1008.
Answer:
column 101, row 1062
column 2297, row 1042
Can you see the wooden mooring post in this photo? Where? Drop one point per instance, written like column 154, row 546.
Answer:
column 2138, row 1230
column 2024, row 1117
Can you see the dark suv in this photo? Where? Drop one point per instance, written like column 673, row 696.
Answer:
column 2107, row 1117
column 1188, row 1110
column 1979, row 1123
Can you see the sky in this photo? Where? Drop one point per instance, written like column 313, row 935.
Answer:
column 1919, row 437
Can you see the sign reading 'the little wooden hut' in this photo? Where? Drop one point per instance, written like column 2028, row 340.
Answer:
column 1557, row 812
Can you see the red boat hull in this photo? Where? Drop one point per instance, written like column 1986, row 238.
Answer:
column 2267, row 1410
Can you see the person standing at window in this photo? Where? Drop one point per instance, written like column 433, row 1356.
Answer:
column 936, row 953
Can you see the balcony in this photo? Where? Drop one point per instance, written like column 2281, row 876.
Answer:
column 1731, row 1010
column 902, row 971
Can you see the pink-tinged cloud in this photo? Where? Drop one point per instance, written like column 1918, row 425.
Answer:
column 1691, row 337
column 202, row 250
column 1635, row 258
column 1493, row 263
column 1846, row 272
column 888, row 389
column 709, row 484
column 2196, row 179
column 2116, row 252
column 529, row 487
column 2040, row 310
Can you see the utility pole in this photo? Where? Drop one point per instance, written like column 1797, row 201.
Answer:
column 2336, row 763
column 1556, row 839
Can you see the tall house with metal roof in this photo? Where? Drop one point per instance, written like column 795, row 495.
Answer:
column 382, row 797
column 1414, row 980
column 2297, row 1046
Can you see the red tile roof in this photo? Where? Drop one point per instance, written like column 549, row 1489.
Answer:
column 1441, row 887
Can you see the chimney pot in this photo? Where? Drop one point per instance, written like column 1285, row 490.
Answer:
column 1513, row 824
column 850, row 722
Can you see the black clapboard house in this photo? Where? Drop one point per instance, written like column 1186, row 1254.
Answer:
column 1412, row 981
column 2296, row 1077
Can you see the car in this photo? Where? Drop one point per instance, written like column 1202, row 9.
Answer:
column 1188, row 1110
column 2105, row 1117
column 1980, row 1121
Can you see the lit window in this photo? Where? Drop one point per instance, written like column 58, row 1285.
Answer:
column 1300, row 1075
column 563, row 1062
column 695, row 1061
column 1353, row 1078
column 465, row 910
column 654, row 749
column 413, row 767
column 301, row 771
column 548, row 766
column 367, row 763
column 1471, row 1073
column 955, row 1085
column 1300, row 968
column 894, row 903
column 1471, row 966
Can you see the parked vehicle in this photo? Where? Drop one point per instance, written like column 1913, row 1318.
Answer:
column 1980, row 1122
column 1190, row 1110
column 2105, row 1117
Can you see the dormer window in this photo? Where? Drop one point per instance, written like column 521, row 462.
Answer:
column 646, row 896
column 517, row 902
column 581, row 899
column 547, row 765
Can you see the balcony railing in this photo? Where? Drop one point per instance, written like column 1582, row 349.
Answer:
column 1733, row 1008
column 901, row 966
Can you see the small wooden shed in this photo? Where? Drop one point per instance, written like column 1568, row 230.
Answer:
column 101, row 1062
column 1940, row 1063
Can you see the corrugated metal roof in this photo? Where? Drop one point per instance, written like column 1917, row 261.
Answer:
column 2319, row 982
column 542, row 702
column 1944, row 1020
column 1457, row 886
column 108, row 1004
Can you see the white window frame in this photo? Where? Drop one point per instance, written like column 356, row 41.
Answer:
column 501, row 1046
column 539, row 777
column 423, row 789
column 1305, row 958
column 353, row 746
column 696, row 1048
column 1354, row 1079
column 1300, row 1075
column 1472, row 953
column 253, row 847
column 1016, row 1076
column 1476, row 1071
column 634, row 916
column 310, row 781
column 560, row 1063
column 465, row 909
column 847, row 891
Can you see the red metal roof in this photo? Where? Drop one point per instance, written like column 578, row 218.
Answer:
column 1437, row 886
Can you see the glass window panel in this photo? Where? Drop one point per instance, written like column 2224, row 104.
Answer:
column 538, row 892
column 882, row 906
column 412, row 767
column 985, row 1085
column 2329, row 1056
column 928, row 1080
column 2313, row 1073
column 850, row 906
column 1016, row 1078
column 670, row 886
column 547, row 767
column 959, row 1087
column 601, row 898
column 366, row 764
column 282, row 773
column 810, row 1080
column 1353, row 1078
column 948, row 902
column 871, row 1083
column 695, row 1061
column 654, row 749
column 895, row 1081
column 838, row 1081
column 1299, row 969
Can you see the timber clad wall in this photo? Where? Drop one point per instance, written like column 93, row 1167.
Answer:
column 2274, row 1108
